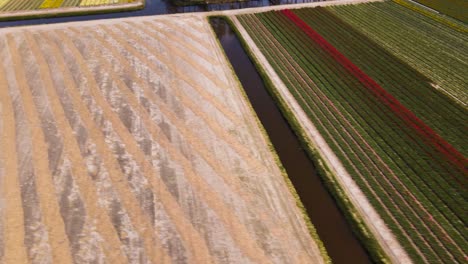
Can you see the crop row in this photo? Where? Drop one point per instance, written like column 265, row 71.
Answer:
column 453, row 8
column 356, row 127
column 433, row 48
column 331, row 124
column 385, row 97
column 20, row 5
column 441, row 19
column 410, row 87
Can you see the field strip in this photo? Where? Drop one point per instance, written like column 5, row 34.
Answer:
column 287, row 6
column 81, row 177
column 231, row 181
column 185, row 229
column 450, row 94
column 434, row 64
column 67, row 3
column 175, row 38
column 51, row 4
column 197, row 25
column 15, row 9
column 48, row 204
column 140, row 222
column 213, row 125
column 373, row 220
column 174, row 32
column 405, row 191
column 200, row 68
column 200, row 90
column 190, row 236
column 13, row 227
column 376, row 167
column 239, row 233
column 174, row 27
column 405, row 93
column 324, row 98
column 182, row 76
column 186, row 132
column 3, row 2
column 197, row 47
column 423, row 213
column 26, row 174
column 197, row 144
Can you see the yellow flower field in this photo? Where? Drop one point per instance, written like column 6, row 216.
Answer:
column 26, row 5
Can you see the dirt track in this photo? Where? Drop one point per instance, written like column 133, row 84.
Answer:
column 129, row 142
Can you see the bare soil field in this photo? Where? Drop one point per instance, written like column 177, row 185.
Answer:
column 129, row 141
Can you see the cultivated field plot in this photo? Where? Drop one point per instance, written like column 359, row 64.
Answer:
column 454, row 8
column 130, row 142
column 395, row 129
column 434, row 45
column 27, row 5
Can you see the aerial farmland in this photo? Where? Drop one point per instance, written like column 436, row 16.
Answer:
column 116, row 159
column 400, row 133
column 328, row 132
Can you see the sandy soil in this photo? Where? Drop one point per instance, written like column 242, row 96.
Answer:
column 369, row 214
column 129, row 141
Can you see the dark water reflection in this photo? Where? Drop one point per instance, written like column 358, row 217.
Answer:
column 159, row 7
column 331, row 225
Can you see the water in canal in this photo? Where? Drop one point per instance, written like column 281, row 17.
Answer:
column 332, row 227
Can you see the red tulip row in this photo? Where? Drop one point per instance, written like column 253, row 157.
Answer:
column 427, row 134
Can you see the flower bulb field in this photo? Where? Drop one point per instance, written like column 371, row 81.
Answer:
column 29, row 9
column 18, row 5
column 386, row 87
column 124, row 142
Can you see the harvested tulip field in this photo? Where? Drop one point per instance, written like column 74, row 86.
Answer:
column 385, row 85
column 130, row 141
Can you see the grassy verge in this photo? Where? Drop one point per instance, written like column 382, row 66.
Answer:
column 84, row 12
column 267, row 82
column 328, row 177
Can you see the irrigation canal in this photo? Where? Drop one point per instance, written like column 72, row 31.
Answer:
column 332, row 227
column 158, row 7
